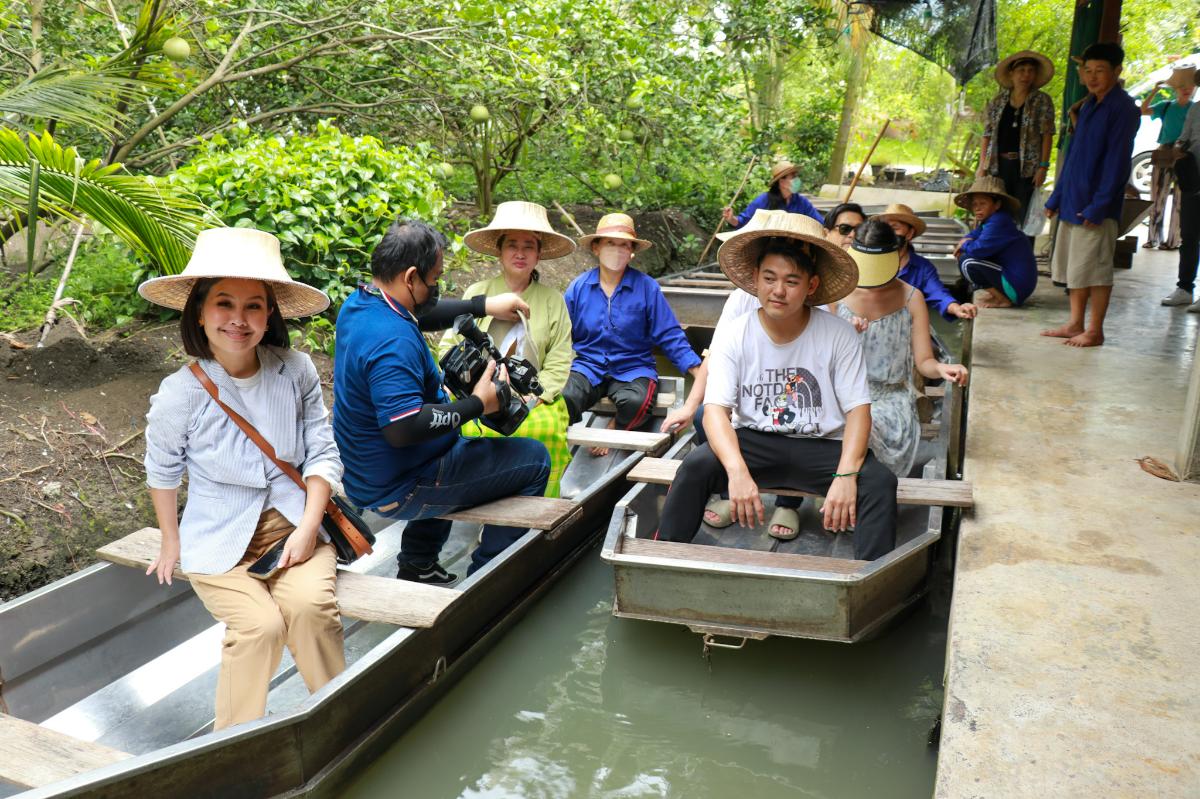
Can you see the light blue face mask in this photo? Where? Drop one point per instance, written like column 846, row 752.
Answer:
column 795, row 185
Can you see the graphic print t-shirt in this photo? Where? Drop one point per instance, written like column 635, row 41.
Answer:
column 803, row 388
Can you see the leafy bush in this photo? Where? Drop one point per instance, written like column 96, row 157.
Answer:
column 329, row 197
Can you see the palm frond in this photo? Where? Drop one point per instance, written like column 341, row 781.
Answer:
column 77, row 97
column 150, row 216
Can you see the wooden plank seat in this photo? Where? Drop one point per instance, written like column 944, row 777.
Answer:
column 909, row 490
column 536, row 513
column 584, row 436
column 360, row 596
column 34, row 756
column 699, row 283
column 662, row 403
column 675, row 550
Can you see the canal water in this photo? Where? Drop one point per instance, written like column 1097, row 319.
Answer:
column 573, row 702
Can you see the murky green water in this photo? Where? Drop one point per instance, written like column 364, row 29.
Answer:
column 576, row 703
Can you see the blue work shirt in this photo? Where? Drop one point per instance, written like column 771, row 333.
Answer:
column 383, row 371
column 921, row 274
column 1091, row 183
column 1000, row 241
column 614, row 336
column 796, row 204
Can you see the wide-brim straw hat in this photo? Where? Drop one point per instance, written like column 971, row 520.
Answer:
column 900, row 212
column 245, row 253
column 615, row 226
column 876, row 265
column 1045, row 67
column 780, row 169
column 988, row 184
column 755, row 223
column 1183, row 76
column 524, row 217
column 739, row 255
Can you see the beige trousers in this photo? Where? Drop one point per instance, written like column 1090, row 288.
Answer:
column 297, row 607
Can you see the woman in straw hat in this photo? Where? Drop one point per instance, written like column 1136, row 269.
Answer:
column 787, row 403
column 995, row 257
column 895, row 338
column 1018, row 128
column 782, row 194
column 1173, row 112
column 235, row 294
column 520, row 236
column 618, row 316
column 917, row 270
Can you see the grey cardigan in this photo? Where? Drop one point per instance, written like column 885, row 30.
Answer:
column 230, row 481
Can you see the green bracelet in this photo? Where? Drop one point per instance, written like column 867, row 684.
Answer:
column 847, row 474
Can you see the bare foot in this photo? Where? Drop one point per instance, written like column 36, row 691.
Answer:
column 1087, row 338
column 1066, row 331
column 992, row 299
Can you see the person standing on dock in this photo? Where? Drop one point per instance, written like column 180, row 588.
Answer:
column 918, row 271
column 1087, row 197
column 1188, row 146
column 782, row 194
column 1172, row 111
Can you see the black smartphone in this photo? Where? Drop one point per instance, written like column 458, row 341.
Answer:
column 265, row 567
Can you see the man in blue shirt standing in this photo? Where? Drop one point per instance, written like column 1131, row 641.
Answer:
column 398, row 431
column 1087, row 197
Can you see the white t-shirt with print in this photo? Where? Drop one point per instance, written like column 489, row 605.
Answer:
column 803, row 388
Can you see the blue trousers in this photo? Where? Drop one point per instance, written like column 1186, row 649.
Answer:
column 780, row 501
column 474, row 471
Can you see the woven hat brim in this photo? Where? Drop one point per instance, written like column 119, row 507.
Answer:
column 294, row 299
column 585, row 242
column 738, row 258
column 1011, row 203
column 875, row 269
column 486, row 241
column 912, row 220
column 1045, row 69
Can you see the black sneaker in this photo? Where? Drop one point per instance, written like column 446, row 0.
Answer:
column 429, row 573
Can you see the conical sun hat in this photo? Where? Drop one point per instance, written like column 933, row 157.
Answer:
column 1045, row 68
column 988, row 184
column 1183, row 76
column 780, row 169
column 876, row 265
column 229, row 252
column 756, row 222
column 740, row 254
column 520, row 216
column 899, row 212
column 615, row 226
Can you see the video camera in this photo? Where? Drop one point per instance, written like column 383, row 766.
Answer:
column 465, row 364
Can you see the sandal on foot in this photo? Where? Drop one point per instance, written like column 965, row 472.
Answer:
column 723, row 510
column 786, row 518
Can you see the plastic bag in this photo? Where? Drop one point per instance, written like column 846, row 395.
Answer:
column 1035, row 213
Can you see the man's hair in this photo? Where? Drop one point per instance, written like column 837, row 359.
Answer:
column 875, row 232
column 795, row 251
column 195, row 340
column 1105, row 51
column 838, row 210
column 408, row 242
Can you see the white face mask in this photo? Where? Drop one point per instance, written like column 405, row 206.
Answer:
column 614, row 258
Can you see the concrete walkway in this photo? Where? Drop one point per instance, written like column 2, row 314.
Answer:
column 1074, row 656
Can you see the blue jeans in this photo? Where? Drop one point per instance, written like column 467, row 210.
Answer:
column 780, row 501
column 474, row 471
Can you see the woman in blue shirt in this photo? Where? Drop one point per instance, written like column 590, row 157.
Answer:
column 783, row 194
column 996, row 257
column 618, row 316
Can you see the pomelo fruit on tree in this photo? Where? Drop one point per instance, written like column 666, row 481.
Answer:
column 445, row 169
column 612, row 181
column 176, row 49
column 479, row 113
column 633, row 102
column 628, row 134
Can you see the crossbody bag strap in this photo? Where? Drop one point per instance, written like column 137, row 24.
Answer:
column 247, row 428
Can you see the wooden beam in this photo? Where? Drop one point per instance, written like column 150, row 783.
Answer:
column 535, row 513
column 662, row 403
column 34, row 756
column 738, row 557
column 584, row 436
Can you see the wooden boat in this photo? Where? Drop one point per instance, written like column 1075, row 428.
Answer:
column 107, row 677
column 739, row 584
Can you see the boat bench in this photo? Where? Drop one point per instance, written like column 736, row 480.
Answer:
column 580, row 435
column 35, row 756
column 909, row 490
column 662, row 404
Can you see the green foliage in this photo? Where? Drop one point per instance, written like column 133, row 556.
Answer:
column 329, row 197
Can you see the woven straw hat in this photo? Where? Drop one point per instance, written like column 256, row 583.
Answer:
column 876, row 265
column 1183, row 76
column 1045, row 68
column 524, row 217
column 756, row 222
column 235, row 252
column 739, row 255
column 780, row 169
column 900, row 212
column 615, row 226
column 988, row 184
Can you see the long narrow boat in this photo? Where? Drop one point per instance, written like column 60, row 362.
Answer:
column 108, row 678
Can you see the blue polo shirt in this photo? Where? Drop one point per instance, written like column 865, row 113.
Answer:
column 1000, row 241
column 383, row 371
column 921, row 274
column 796, row 204
column 1092, row 178
column 614, row 336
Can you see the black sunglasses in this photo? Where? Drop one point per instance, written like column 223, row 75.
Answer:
column 844, row 229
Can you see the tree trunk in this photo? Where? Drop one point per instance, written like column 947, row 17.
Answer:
column 854, row 75
column 35, row 35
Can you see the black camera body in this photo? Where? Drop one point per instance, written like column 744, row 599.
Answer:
column 466, row 362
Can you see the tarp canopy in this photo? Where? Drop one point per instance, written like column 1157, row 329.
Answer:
column 957, row 35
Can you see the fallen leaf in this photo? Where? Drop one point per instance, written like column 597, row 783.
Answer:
column 1157, row 468
column 88, row 418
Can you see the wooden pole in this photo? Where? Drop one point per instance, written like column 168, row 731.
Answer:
column 732, row 200
column 866, row 161
column 569, row 218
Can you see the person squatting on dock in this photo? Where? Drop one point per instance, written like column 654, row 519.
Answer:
column 399, row 431
column 234, row 295
column 787, row 402
column 1088, row 195
column 996, row 258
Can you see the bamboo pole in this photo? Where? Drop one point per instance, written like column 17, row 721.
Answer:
column 732, row 200
column 866, row 160
column 569, row 218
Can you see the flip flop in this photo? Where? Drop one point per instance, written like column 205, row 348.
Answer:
column 787, row 519
column 723, row 508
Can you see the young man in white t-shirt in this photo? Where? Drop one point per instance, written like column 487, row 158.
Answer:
column 787, row 403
